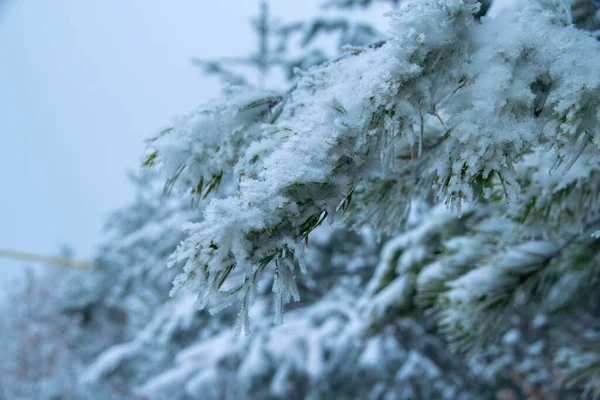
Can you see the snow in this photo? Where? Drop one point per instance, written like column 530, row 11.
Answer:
column 472, row 145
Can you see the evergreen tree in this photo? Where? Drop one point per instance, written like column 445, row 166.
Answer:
column 456, row 159
column 285, row 46
column 496, row 120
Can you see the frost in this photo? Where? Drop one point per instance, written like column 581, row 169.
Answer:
column 466, row 147
column 446, row 102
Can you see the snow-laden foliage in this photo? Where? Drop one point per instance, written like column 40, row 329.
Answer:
column 317, row 142
column 47, row 341
column 513, row 345
column 35, row 339
column 324, row 350
column 508, row 88
column 63, row 319
column 284, row 46
column 495, row 120
column 319, row 353
column 467, row 147
column 111, row 333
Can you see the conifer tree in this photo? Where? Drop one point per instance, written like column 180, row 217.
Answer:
column 456, row 159
column 494, row 120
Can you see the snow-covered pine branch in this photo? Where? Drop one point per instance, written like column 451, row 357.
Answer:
column 504, row 112
column 302, row 156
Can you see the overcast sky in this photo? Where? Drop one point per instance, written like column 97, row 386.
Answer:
column 82, row 84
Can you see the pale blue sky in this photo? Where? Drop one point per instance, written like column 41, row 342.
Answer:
column 82, row 83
